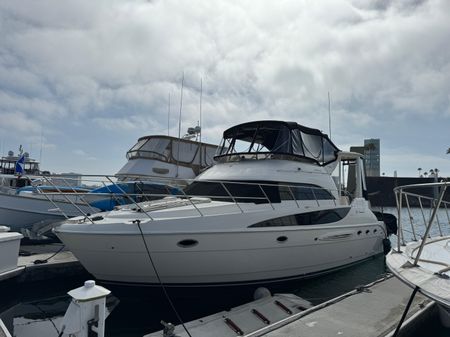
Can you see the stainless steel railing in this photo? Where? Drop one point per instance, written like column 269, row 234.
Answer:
column 409, row 195
column 65, row 188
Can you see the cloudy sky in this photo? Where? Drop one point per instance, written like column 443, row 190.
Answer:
column 82, row 79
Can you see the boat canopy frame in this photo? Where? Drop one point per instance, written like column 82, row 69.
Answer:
column 277, row 139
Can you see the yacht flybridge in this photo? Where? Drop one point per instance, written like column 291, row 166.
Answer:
column 167, row 157
column 269, row 210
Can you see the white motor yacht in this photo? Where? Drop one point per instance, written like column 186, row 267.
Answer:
column 268, row 211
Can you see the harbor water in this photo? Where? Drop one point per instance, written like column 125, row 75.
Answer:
column 35, row 310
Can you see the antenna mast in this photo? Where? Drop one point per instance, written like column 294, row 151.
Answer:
column 329, row 114
column 40, row 151
column 179, row 123
column 200, row 121
column 168, row 117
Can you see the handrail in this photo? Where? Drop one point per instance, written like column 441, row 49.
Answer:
column 403, row 192
column 298, row 194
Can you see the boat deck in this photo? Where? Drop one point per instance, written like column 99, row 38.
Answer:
column 431, row 275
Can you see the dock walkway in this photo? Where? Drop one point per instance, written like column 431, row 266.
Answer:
column 42, row 263
column 373, row 312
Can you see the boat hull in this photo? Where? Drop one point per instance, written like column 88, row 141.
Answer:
column 222, row 257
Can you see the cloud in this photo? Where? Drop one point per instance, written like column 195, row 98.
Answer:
column 110, row 65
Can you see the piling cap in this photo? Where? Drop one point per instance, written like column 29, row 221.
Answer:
column 89, row 292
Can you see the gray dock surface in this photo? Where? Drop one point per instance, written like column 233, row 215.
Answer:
column 63, row 264
column 372, row 313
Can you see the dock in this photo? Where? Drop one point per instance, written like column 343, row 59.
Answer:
column 43, row 262
column 372, row 311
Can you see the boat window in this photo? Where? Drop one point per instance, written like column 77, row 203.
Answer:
column 256, row 192
column 153, row 147
column 184, row 151
column 157, row 145
column 138, row 145
column 304, row 219
column 312, row 145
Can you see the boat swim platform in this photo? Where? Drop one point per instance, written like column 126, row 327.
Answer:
column 37, row 263
column 370, row 311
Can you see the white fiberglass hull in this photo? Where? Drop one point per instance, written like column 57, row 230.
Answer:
column 19, row 212
column 218, row 257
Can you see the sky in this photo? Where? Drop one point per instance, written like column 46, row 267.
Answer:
column 82, row 80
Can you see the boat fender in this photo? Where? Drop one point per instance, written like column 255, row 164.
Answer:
column 386, row 246
column 389, row 220
column 261, row 292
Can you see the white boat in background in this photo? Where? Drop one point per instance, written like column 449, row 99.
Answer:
column 42, row 205
column 423, row 263
column 9, row 177
column 166, row 158
column 30, row 202
column 268, row 211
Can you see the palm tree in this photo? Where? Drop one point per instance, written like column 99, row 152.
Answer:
column 420, row 170
column 425, row 174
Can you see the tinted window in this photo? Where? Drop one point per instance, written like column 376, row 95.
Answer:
column 303, row 219
column 256, row 192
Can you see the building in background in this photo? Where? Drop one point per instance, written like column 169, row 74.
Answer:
column 372, row 157
column 371, row 152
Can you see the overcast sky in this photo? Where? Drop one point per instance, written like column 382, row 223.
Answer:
column 86, row 78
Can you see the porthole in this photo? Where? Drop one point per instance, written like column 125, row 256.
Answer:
column 359, row 232
column 187, row 243
column 375, row 230
column 367, row 231
column 282, row 238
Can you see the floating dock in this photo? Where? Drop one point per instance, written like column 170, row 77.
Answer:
column 43, row 262
column 370, row 311
column 373, row 310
